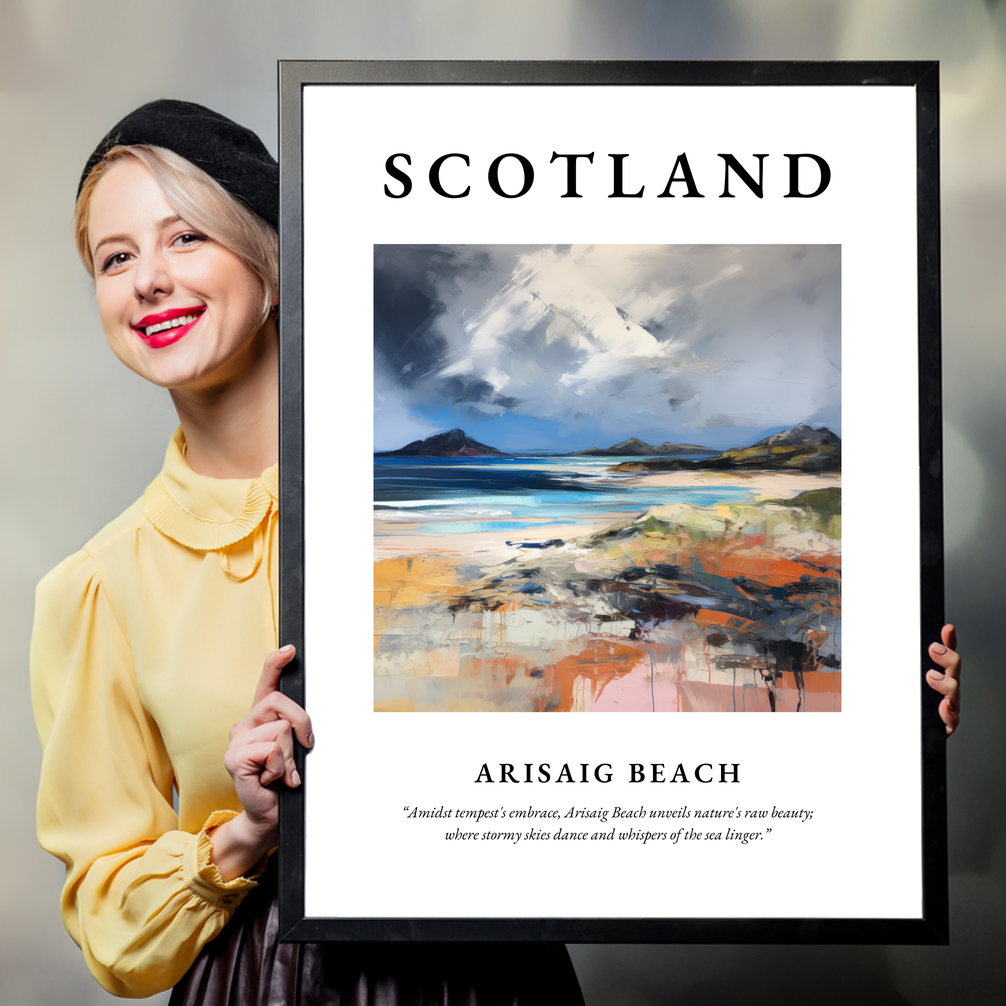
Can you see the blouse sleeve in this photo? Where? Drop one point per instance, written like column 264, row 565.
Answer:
column 141, row 898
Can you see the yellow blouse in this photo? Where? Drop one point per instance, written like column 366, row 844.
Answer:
column 147, row 647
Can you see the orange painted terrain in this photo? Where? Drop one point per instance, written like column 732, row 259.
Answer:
column 685, row 609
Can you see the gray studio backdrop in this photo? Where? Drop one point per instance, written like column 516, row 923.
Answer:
column 82, row 436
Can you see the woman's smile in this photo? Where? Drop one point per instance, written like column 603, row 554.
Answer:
column 166, row 327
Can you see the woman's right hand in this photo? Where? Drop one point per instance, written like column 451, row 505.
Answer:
column 259, row 754
column 948, row 681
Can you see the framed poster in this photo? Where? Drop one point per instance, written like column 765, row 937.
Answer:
column 612, row 388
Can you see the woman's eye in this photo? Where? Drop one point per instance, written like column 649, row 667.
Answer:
column 114, row 261
column 190, row 238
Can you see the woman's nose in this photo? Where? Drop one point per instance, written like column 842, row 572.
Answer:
column 152, row 277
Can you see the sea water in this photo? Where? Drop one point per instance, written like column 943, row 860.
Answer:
column 518, row 492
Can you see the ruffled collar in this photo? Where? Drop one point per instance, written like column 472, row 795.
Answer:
column 203, row 513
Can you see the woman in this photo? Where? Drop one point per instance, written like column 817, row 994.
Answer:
column 148, row 643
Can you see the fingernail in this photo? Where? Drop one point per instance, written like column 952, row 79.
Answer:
column 287, row 649
column 938, row 648
column 295, row 777
column 936, row 675
column 310, row 740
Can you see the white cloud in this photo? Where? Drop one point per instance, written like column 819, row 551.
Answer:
column 681, row 336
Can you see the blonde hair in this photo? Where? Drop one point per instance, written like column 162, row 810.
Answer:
column 199, row 200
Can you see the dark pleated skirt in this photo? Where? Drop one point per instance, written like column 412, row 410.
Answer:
column 246, row 965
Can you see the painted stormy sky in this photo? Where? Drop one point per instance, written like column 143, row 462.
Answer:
column 569, row 347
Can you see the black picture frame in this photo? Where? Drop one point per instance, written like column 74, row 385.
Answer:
column 932, row 925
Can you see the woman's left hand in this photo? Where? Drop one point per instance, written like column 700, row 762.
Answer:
column 948, row 681
column 260, row 754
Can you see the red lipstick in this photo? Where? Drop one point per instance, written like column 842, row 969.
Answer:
column 165, row 333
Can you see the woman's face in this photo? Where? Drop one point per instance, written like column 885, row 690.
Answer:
column 177, row 308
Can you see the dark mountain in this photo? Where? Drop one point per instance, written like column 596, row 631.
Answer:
column 452, row 444
column 634, row 447
column 800, row 436
column 802, row 449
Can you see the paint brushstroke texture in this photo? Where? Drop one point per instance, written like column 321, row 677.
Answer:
column 607, row 478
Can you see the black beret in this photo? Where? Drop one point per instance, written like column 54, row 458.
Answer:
column 230, row 154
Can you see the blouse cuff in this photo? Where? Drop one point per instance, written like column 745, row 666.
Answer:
column 202, row 876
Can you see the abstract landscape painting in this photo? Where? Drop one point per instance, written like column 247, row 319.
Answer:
column 607, row 478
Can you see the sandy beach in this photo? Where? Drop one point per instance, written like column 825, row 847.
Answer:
column 778, row 485
column 705, row 602
column 399, row 537
column 395, row 538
